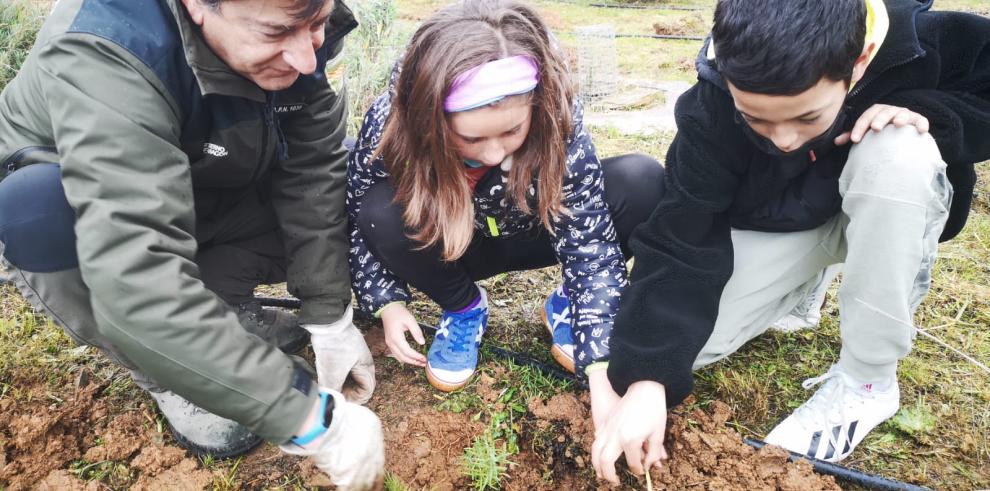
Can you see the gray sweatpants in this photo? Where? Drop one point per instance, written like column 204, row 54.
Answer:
column 895, row 198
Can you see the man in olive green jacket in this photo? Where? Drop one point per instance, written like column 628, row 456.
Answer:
column 160, row 159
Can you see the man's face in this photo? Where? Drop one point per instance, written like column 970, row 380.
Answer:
column 261, row 39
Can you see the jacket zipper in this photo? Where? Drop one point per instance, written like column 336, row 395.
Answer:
column 860, row 88
column 272, row 123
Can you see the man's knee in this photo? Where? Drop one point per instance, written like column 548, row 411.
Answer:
column 233, row 272
column 897, row 163
column 36, row 221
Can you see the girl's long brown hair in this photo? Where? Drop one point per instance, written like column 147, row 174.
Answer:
column 417, row 142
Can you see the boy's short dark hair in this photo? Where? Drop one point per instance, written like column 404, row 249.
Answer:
column 304, row 9
column 785, row 47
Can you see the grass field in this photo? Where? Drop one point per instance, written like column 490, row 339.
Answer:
column 938, row 439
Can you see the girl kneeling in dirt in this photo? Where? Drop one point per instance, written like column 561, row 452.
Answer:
column 476, row 163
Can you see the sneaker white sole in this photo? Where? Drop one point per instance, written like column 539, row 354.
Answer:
column 443, row 385
column 559, row 355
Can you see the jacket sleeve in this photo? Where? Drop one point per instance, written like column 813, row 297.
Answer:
column 373, row 283
column 587, row 247
column 683, row 257
column 130, row 186
column 308, row 193
column 957, row 101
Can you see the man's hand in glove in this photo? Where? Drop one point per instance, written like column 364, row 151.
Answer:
column 343, row 361
column 345, row 441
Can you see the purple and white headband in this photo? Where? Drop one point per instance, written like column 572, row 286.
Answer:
column 492, row 82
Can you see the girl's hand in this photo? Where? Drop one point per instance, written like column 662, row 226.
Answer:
column 396, row 320
column 603, row 398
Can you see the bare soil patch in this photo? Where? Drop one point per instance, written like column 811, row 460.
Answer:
column 45, row 438
column 689, row 25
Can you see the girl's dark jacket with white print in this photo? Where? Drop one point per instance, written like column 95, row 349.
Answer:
column 934, row 63
column 585, row 239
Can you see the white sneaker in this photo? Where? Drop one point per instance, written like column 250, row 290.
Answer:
column 840, row 414
column 807, row 314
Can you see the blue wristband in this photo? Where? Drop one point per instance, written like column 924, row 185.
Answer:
column 326, row 410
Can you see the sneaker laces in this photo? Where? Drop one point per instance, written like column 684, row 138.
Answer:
column 459, row 333
column 834, row 391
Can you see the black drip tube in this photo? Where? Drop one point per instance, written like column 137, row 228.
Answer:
column 846, row 474
column 869, row 481
column 602, row 5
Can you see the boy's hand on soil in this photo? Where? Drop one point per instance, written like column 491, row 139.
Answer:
column 603, row 397
column 636, row 424
column 396, row 320
column 879, row 117
column 343, row 360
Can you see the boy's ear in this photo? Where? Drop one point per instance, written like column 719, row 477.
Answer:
column 859, row 69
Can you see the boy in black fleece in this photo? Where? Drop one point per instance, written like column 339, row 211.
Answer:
column 818, row 133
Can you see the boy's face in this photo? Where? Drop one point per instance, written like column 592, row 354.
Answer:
column 261, row 40
column 791, row 121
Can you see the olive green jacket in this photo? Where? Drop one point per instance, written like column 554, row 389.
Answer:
column 155, row 136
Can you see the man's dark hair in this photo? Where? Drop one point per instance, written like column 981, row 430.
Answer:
column 304, row 9
column 785, row 47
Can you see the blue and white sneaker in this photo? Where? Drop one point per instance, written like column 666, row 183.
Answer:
column 453, row 356
column 557, row 317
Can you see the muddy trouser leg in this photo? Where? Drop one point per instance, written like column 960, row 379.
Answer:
column 636, row 184
column 36, row 231
column 894, row 207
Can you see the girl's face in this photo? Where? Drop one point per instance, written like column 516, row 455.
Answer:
column 489, row 134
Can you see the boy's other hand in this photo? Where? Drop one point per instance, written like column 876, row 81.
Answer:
column 878, row 117
column 396, row 320
column 636, row 425
column 603, row 397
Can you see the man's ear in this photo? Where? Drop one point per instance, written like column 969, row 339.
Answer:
column 859, row 69
column 197, row 11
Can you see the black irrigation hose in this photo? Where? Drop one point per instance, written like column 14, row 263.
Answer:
column 665, row 37
column 518, row 359
column 285, row 303
column 869, row 481
column 631, row 7
column 853, row 476
column 662, row 36
column 525, row 361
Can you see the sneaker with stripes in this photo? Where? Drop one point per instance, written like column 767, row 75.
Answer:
column 837, row 417
column 556, row 316
column 453, row 356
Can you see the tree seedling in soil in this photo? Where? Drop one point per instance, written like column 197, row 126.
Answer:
column 485, row 462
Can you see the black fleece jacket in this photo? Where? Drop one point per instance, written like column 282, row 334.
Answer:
column 934, row 63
